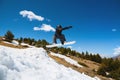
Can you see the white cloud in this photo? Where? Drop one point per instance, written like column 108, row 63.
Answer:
column 44, row 27
column 117, row 51
column 31, row 16
column 114, row 30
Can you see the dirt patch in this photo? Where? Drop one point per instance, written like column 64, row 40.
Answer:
column 91, row 65
column 13, row 46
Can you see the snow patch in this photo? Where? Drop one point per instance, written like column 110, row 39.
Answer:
column 15, row 42
column 69, row 60
column 34, row 64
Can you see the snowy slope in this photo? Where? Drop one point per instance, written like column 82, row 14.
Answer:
column 34, row 64
column 69, row 60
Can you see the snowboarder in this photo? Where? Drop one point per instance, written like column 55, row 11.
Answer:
column 58, row 34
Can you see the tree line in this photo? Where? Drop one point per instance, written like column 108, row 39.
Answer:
column 9, row 37
column 110, row 68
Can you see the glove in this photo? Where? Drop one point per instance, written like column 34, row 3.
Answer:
column 70, row 26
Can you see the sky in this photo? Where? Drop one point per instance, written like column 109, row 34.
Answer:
column 95, row 23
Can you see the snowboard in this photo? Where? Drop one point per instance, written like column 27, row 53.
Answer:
column 60, row 45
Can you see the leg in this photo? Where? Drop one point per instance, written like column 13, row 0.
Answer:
column 62, row 39
column 54, row 39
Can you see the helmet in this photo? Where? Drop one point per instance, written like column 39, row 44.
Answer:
column 59, row 26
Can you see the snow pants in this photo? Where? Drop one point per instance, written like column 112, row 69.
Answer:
column 61, row 37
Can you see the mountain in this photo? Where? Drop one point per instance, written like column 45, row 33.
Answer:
column 117, row 57
column 34, row 64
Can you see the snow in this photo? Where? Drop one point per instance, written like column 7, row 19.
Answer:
column 69, row 60
column 14, row 42
column 34, row 64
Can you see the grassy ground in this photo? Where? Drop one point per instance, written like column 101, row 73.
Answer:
column 89, row 67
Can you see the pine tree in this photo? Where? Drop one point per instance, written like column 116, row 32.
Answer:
column 102, row 70
column 9, row 36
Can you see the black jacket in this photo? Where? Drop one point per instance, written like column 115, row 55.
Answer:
column 60, row 29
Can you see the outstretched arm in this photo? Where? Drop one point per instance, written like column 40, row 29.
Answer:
column 66, row 27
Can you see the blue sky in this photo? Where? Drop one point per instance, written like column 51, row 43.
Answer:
column 96, row 23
